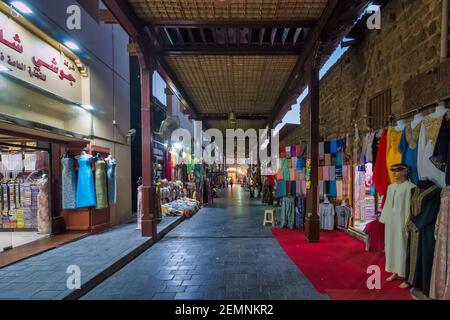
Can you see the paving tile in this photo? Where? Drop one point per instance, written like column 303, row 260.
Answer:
column 223, row 252
column 164, row 296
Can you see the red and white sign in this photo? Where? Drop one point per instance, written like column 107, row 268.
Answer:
column 36, row 62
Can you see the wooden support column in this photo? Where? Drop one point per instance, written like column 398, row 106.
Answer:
column 312, row 223
column 149, row 222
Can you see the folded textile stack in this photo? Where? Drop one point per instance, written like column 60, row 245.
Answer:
column 179, row 207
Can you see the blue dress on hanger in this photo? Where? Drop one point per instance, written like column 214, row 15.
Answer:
column 409, row 149
column 85, row 187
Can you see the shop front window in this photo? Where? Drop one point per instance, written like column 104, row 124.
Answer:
column 24, row 191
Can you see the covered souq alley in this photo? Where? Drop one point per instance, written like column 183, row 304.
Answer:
column 356, row 205
column 243, row 65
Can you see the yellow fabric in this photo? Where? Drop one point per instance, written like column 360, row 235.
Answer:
column 392, row 153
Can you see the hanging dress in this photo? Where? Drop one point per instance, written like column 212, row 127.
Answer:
column 440, row 276
column 43, row 218
column 69, row 184
column 421, row 242
column 429, row 132
column 85, row 184
column 393, row 155
column 100, row 185
column 380, row 173
column 408, row 147
column 111, row 176
column 441, row 154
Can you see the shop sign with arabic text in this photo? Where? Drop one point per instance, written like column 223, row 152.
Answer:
column 36, row 62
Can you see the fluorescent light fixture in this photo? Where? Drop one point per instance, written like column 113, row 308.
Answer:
column 4, row 69
column 21, row 7
column 87, row 107
column 71, row 45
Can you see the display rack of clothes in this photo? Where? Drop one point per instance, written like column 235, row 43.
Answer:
column 326, row 215
column 80, row 189
column 343, row 213
column 425, row 204
column 288, row 212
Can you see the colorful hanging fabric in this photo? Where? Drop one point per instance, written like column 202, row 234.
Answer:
column 286, row 174
column 299, row 165
column 328, row 159
column 333, row 190
column 333, row 146
column 288, row 152
column 381, row 173
column 340, row 159
column 279, row 174
column 332, row 173
column 294, row 162
column 298, row 150
column 293, row 151
column 299, row 220
column 340, row 145
column 282, row 152
column 321, row 149
column 339, row 172
column 292, row 174
column 327, row 147
column 293, row 188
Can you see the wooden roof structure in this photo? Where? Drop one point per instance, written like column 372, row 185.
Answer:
column 241, row 56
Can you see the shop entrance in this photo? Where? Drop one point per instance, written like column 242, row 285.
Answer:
column 24, row 191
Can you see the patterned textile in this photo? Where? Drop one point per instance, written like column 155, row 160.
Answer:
column 287, row 213
column 440, row 277
column 69, row 184
column 43, row 214
column 111, row 175
column 100, row 184
column 299, row 220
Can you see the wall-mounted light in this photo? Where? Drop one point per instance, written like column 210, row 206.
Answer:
column 21, row 7
column 71, row 45
column 87, row 107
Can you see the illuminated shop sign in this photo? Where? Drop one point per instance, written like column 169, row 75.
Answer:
column 34, row 61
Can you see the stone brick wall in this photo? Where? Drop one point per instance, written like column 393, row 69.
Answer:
column 407, row 44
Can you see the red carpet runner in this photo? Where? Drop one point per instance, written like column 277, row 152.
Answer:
column 337, row 265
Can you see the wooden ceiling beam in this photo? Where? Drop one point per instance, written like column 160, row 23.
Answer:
column 232, row 50
column 239, row 116
column 234, row 24
column 106, row 16
column 148, row 47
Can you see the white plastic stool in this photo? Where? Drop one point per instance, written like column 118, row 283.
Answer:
column 270, row 216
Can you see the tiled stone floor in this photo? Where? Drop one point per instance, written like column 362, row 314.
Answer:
column 44, row 276
column 223, row 252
